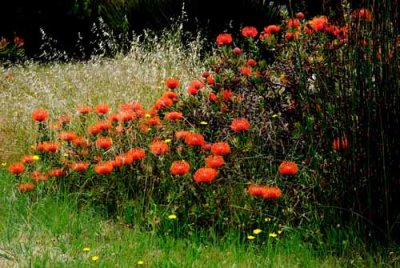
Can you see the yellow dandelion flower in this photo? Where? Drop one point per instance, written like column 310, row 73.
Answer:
column 172, row 217
column 273, row 235
column 267, row 219
column 86, row 249
column 140, row 262
column 95, row 258
column 3, row 164
column 36, row 157
column 203, row 123
column 275, row 115
column 167, row 140
column 250, row 237
column 147, row 115
column 280, row 231
column 257, row 231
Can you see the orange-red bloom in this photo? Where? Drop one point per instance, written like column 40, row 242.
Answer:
column 83, row 110
column 362, row 14
column 293, row 23
column 27, row 159
column 159, row 147
column 180, row 167
column 194, row 139
column 205, row 175
column 300, row 15
column 172, row 83
column 56, row 172
column 266, row 192
column 102, row 109
column 288, row 168
column 171, row 95
column 224, row 39
column 16, row 168
column 38, row 176
column 272, row 29
column 181, row 134
column 104, row 142
column 251, row 62
column 214, row 161
column 104, row 168
column 26, row 187
column 52, row 147
column 249, row 31
column 319, row 23
column 40, row 115
column 79, row 166
column 240, row 124
column 137, row 153
column 174, row 116
column 67, row 136
column 220, row 148
column 244, row 70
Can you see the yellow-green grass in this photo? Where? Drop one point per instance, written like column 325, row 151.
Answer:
column 60, row 88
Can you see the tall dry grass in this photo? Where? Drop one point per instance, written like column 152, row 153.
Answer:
column 61, row 87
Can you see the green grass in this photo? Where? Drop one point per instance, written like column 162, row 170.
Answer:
column 37, row 230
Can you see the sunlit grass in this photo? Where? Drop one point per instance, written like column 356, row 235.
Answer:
column 61, row 87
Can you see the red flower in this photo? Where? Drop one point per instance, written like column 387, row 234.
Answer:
column 244, row 70
column 214, row 161
column 104, row 142
column 300, row 15
column 340, row 144
column 227, row 95
column 26, row 187
column 56, row 172
column 179, row 167
column 213, row 97
column 220, row 148
column 249, row 31
column 104, row 168
column 192, row 91
column 51, row 147
column 293, row 23
column 181, row 134
column 174, row 116
column 153, row 121
column 159, row 147
column 237, row 51
column 194, row 139
column 27, row 159
column 318, row 23
column 224, row 39
column 288, row 168
column 272, row 193
column 83, row 110
column 80, row 142
column 162, row 103
column 80, row 166
column 205, row 175
column 67, row 136
column 240, row 124
column 266, row 192
column 137, row 153
column 40, row 115
column 172, row 83
column 197, row 84
column 37, row 176
column 16, row 168
column 272, row 29
column 210, row 80
column 102, row 109
column 171, row 95
column 362, row 14
column 251, row 62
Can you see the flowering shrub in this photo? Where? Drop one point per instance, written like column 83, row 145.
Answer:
column 221, row 152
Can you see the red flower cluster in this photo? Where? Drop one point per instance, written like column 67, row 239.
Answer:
column 220, row 148
column 159, row 147
column 16, row 168
column 266, row 192
column 26, row 187
column 179, row 167
column 288, row 168
column 205, row 175
column 224, row 39
column 214, row 161
column 240, row 124
column 172, row 83
column 249, row 31
column 40, row 115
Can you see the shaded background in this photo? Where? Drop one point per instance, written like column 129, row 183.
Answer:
column 64, row 19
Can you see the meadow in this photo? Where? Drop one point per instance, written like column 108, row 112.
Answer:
column 275, row 149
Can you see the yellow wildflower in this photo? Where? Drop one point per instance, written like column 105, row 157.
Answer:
column 203, row 123
column 250, row 237
column 257, row 231
column 147, row 115
column 280, row 231
column 273, row 235
column 95, row 258
column 140, row 262
column 36, row 157
column 267, row 219
column 4, row 164
column 172, row 217
column 167, row 140
column 86, row 249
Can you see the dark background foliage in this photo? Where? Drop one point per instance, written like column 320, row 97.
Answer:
column 64, row 19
